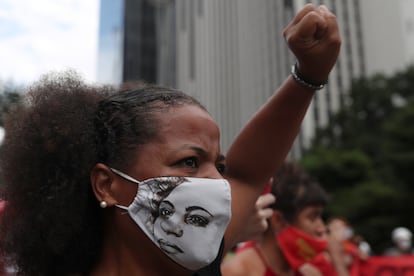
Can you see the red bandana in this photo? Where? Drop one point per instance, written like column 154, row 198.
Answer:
column 299, row 247
column 350, row 247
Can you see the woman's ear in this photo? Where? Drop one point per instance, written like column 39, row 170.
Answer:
column 103, row 182
column 277, row 221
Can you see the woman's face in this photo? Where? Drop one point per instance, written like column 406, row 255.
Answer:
column 310, row 221
column 188, row 145
column 339, row 229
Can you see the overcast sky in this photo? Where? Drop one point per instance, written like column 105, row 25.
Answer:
column 37, row 36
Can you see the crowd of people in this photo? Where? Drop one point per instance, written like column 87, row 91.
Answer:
column 99, row 180
column 401, row 238
column 298, row 241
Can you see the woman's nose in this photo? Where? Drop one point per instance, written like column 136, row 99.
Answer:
column 321, row 230
column 172, row 228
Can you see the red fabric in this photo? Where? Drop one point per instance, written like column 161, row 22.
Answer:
column 244, row 246
column 355, row 268
column 299, row 247
column 268, row 188
column 351, row 249
column 387, row 266
column 323, row 265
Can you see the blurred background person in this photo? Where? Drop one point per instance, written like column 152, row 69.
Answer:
column 353, row 247
column 295, row 242
column 402, row 242
column 364, row 248
column 257, row 222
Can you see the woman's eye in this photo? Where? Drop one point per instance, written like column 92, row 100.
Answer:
column 314, row 217
column 164, row 212
column 190, row 162
column 221, row 168
column 197, row 220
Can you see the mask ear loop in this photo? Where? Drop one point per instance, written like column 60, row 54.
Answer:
column 126, row 177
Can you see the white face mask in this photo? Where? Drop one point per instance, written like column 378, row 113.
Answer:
column 404, row 244
column 347, row 233
column 185, row 217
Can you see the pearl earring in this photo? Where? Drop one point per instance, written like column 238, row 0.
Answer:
column 103, row 204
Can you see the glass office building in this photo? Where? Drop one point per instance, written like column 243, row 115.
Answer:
column 127, row 42
column 111, row 43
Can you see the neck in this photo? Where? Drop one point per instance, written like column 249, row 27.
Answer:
column 134, row 257
column 273, row 254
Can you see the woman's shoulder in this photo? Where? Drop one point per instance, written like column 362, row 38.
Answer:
column 244, row 262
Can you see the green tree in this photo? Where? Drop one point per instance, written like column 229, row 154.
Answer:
column 10, row 93
column 399, row 147
column 365, row 156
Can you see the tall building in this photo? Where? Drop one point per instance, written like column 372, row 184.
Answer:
column 388, row 34
column 239, row 56
column 231, row 54
column 127, row 40
column 110, row 42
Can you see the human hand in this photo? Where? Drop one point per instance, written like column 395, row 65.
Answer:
column 313, row 37
column 257, row 222
column 336, row 254
column 334, row 244
column 309, row 270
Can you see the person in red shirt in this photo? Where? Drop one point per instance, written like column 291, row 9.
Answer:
column 295, row 242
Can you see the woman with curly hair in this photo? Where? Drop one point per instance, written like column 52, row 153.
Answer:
column 76, row 160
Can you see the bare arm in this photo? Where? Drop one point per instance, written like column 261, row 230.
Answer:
column 309, row 270
column 234, row 267
column 337, row 255
column 245, row 263
column 256, row 223
column 263, row 144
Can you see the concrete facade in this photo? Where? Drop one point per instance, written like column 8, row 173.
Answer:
column 231, row 54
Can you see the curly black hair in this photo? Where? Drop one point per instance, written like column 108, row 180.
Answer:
column 295, row 189
column 52, row 223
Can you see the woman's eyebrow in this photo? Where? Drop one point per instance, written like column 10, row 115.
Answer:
column 202, row 152
column 192, row 208
column 168, row 203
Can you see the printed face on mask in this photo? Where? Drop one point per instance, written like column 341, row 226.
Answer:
column 185, row 217
column 182, row 221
